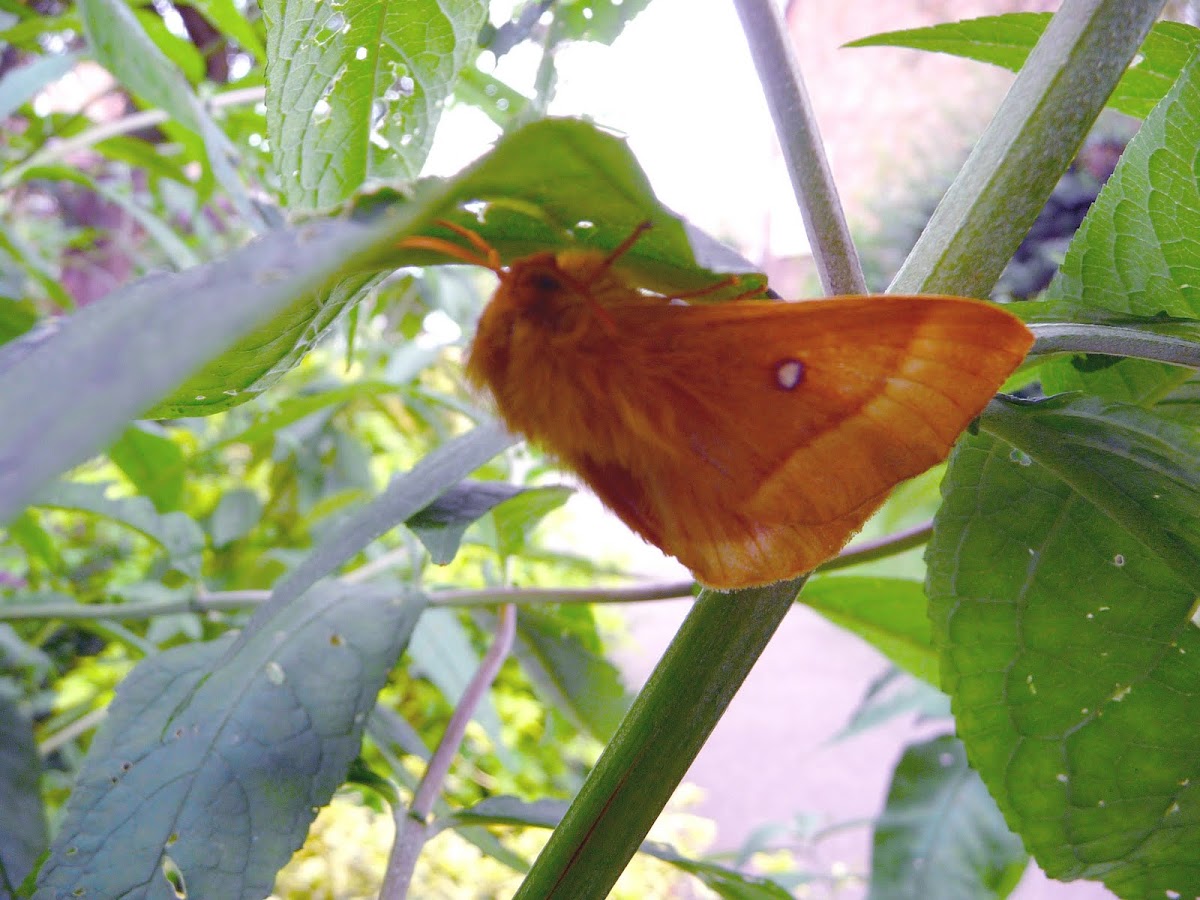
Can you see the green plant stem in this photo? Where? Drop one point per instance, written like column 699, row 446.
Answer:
column 796, row 126
column 669, row 722
column 412, row 825
column 1114, row 340
column 1031, row 140
column 882, row 548
column 227, row 601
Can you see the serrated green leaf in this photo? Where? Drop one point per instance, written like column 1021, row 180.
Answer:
column 237, row 512
column 355, row 90
column 1062, row 577
column 888, row 613
column 941, row 836
column 215, row 757
column 1007, row 40
column 176, row 532
column 152, row 462
column 537, row 184
column 585, row 687
column 266, row 354
column 23, row 831
column 559, row 183
column 1138, row 250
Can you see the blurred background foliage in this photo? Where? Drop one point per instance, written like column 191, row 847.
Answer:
column 187, row 521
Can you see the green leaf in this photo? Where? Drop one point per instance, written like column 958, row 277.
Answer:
column 893, row 694
column 161, row 329
column 726, row 882
column 888, row 613
column 20, row 85
column 534, row 189
column 516, row 517
column 258, row 360
column 601, row 21
column 1062, row 578
column 120, row 44
column 441, row 525
column 176, row 532
column 16, row 318
column 23, row 831
column 1138, row 251
column 1007, row 40
column 941, row 836
column 499, row 102
column 584, row 686
column 152, row 462
column 403, row 498
column 215, row 757
column 181, row 52
column 16, row 654
column 237, row 512
column 559, row 183
column 226, row 17
column 1029, row 144
column 293, row 409
column 355, row 90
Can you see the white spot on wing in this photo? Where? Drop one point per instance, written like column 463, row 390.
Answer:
column 789, row 374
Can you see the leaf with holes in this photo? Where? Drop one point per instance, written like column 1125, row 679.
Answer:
column 355, row 89
column 1062, row 579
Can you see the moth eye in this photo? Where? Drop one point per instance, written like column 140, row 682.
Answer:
column 789, row 374
column 545, row 283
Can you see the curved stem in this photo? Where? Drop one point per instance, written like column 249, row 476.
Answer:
column 881, row 548
column 412, row 825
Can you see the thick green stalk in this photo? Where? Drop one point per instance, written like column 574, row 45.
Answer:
column 1032, row 139
column 671, row 719
column 724, row 634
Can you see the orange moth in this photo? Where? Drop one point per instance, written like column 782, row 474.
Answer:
column 749, row 439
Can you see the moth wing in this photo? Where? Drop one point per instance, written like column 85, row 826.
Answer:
column 778, row 428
